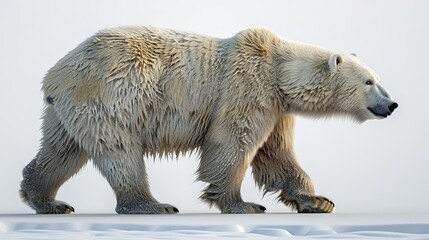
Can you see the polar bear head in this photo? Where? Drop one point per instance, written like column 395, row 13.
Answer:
column 358, row 89
column 328, row 84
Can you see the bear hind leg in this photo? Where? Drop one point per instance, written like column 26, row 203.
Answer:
column 58, row 159
column 126, row 173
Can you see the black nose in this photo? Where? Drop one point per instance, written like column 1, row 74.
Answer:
column 393, row 106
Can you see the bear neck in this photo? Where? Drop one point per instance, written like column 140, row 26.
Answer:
column 305, row 81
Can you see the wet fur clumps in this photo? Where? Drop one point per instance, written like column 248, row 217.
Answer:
column 129, row 93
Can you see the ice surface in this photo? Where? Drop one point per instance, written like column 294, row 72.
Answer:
column 215, row 226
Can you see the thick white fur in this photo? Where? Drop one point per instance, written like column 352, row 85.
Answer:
column 131, row 92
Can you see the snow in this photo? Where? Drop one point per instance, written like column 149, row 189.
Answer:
column 215, row 226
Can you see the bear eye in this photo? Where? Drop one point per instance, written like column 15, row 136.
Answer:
column 369, row 82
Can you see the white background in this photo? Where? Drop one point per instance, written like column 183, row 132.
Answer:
column 379, row 166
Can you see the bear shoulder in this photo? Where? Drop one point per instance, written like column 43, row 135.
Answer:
column 258, row 38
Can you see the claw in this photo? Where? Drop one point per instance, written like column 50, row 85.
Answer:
column 309, row 204
column 53, row 207
column 243, row 207
column 146, row 208
column 69, row 209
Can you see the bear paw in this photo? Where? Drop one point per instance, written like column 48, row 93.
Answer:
column 146, row 208
column 54, row 207
column 243, row 207
column 310, row 204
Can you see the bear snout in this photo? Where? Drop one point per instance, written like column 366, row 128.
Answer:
column 393, row 106
column 382, row 110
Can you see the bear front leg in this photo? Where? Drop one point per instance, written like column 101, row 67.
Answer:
column 223, row 166
column 275, row 168
column 59, row 158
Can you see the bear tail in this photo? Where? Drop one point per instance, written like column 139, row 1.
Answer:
column 50, row 100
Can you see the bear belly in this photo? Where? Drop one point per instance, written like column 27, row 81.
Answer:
column 174, row 133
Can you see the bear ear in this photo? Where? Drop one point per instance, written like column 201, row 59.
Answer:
column 334, row 60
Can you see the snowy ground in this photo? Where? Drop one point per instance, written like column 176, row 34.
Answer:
column 215, row 226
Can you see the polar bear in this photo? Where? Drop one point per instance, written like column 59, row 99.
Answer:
column 131, row 92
